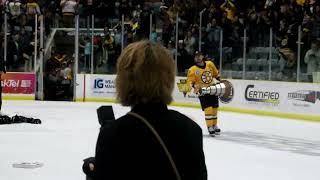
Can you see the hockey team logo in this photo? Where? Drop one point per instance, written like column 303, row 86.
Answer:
column 305, row 96
column 255, row 95
column 206, row 77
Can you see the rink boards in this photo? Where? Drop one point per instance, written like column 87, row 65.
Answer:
column 281, row 99
column 18, row 86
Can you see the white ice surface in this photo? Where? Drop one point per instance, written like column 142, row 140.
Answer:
column 249, row 148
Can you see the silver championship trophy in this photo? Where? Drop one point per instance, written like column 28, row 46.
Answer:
column 224, row 90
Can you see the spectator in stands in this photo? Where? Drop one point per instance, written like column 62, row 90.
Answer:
column 252, row 21
column 51, row 13
column 102, row 11
column 153, row 35
column 117, row 9
column 190, row 43
column 143, row 18
column 269, row 3
column 129, row 37
column 125, row 8
column 14, row 52
column 23, row 20
column 97, row 51
column 87, row 46
column 183, row 58
column 229, row 8
column 213, row 30
column 14, row 8
column 172, row 49
column 166, row 26
column 237, row 43
column 68, row 8
column 287, row 60
column 66, row 71
column 316, row 23
column 117, row 40
column 194, row 28
column 88, row 7
column 145, row 81
column 137, row 11
column 25, row 39
column 66, row 77
column 312, row 59
column 227, row 30
column 283, row 29
column 32, row 9
column 311, row 7
column 27, row 49
column 109, row 51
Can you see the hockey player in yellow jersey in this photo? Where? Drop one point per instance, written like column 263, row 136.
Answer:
column 203, row 74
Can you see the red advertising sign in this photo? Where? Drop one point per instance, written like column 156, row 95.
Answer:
column 18, row 83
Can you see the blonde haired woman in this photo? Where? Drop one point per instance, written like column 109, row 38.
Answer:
column 129, row 148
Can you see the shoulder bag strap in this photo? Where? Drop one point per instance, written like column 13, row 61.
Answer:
column 160, row 141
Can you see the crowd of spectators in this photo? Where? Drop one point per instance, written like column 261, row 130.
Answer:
column 233, row 17
column 20, row 32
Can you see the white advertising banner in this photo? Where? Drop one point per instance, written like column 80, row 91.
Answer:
column 298, row 98
column 260, row 95
column 285, row 97
column 100, row 86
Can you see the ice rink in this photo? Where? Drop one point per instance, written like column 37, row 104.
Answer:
column 249, row 148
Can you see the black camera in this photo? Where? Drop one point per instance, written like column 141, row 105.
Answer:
column 86, row 167
column 105, row 117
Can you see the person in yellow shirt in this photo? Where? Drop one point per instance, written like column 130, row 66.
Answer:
column 33, row 8
column 301, row 2
column 229, row 8
column 203, row 74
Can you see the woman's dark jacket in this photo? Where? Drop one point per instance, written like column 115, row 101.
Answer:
column 127, row 150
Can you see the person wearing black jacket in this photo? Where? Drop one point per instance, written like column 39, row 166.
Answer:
column 127, row 148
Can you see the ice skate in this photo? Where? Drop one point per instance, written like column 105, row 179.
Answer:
column 212, row 131
column 217, row 130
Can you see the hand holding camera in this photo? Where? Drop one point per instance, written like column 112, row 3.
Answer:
column 88, row 167
column 105, row 117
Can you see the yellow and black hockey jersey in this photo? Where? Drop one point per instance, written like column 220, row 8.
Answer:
column 202, row 76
